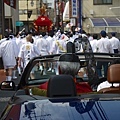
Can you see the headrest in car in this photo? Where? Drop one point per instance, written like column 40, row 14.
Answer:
column 113, row 75
column 61, row 86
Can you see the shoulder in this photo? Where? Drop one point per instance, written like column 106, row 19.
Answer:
column 83, row 87
column 37, row 91
column 44, row 85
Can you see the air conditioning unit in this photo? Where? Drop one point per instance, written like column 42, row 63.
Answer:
column 91, row 12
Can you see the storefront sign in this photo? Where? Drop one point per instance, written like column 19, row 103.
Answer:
column 19, row 23
column 74, row 11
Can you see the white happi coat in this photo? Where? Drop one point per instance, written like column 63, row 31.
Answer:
column 115, row 43
column 27, row 52
column 59, row 46
column 93, row 44
column 9, row 53
column 50, row 41
column 43, row 46
column 104, row 46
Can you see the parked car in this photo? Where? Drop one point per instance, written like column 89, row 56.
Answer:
column 59, row 105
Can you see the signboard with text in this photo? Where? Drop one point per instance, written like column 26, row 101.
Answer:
column 74, row 11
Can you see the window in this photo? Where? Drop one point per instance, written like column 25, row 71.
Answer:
column 102, row 2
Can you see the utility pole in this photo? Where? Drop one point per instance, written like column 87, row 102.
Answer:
column 80, row 15
column 57, row 14
column 2, row 18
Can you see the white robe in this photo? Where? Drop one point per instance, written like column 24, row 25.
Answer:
column 27, row 52
column 59, row 46
column 50, row 41
column 115, row 43
column 43, row 46
column 93, row 44
column 8, row 53
column 104, row 46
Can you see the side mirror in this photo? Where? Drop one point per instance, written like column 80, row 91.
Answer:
column 7, row 85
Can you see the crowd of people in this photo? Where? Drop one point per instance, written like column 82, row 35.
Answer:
column 17, row 50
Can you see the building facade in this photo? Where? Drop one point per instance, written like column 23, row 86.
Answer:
column 33, row 8
column 94, row 15
column 11, row 16
column 101, row 15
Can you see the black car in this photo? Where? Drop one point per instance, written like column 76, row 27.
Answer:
column 59, row 105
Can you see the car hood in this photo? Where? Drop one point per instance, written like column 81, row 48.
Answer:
column 56, row 109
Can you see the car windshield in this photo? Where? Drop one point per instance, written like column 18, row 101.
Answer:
column 41, row 71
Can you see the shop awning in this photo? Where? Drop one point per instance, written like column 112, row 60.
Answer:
column 105, row 22
column 114, row 22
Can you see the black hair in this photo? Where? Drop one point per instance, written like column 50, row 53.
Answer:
column 43, row 34
column 95, row 36
column 103, row 33
column 115, row 61
column 51, row 33
column 6, row 34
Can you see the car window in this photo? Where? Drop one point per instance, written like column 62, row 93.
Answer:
column 41, row 72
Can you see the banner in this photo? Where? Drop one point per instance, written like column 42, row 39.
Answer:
column 11, row 3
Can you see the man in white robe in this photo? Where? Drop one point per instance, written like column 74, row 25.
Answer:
column 103, row 46
column 27, row 51
column 9, row 55
column 93, row 42
column 115, row 43
column 43, row 45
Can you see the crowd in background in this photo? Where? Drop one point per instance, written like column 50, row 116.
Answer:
column 17, row 50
